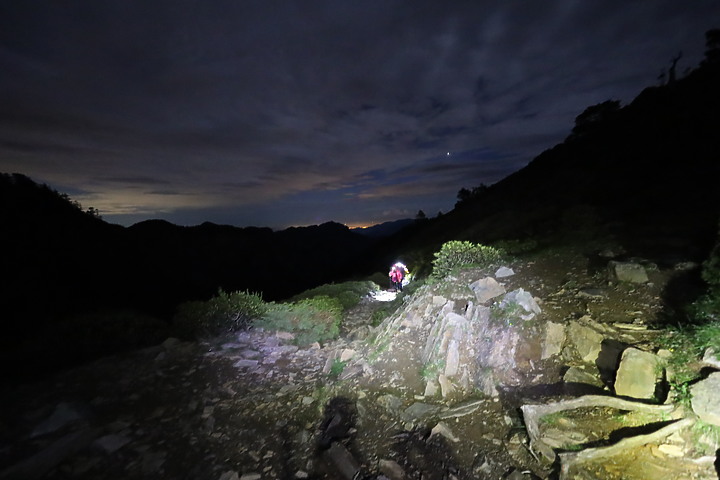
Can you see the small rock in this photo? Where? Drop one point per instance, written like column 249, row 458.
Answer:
column 711, row 358
column 64, row 414
column 446, row 386
column 347, row 354
column 554, row 339
column 251, row 476
column 442, row 429
column 503, row 272
column 342, row 460
column 391, row 469
column 112, row 443
column 486, row 289
column 672, row 450
column 431, row 388
column 229, row 475
column 627, row 272
column 578, row 375
column 287, row 336
column 246, row 363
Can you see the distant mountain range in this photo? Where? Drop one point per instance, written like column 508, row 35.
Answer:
column 384, row 229
column 64, row 260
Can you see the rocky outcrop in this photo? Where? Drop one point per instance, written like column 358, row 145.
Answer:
column 476, row 340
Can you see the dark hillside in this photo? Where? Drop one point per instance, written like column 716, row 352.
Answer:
column 69, row 278
column 644, row 176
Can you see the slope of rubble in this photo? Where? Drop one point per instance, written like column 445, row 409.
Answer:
column 471, row 377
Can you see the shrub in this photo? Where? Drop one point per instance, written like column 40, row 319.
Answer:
column 455, row 254
column 337, row 368
column 348, row 294
column 315, row 319
column 226, row 312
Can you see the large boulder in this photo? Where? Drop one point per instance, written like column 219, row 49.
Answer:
column 585, row 341
column 706, row 399
column 638, row 374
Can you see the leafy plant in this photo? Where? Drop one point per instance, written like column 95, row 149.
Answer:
column 455, row 254
column 226, row 312
column 315, row 319
column 337, row 368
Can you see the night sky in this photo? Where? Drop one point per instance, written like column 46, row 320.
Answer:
column 279, row 113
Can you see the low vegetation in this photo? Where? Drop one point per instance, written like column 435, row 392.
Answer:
column 311, row 320
column 312, row 316
column 225, row 312
column 457, row 254
column 688, row 343
column 348, row 294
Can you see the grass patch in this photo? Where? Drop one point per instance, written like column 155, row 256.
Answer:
column 226, row 312
column 687, row 345
column 705, row 436
column 348, row 294
column 311, row 320
column 552, row 418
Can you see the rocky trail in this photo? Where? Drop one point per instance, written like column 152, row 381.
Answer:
column 470, row 378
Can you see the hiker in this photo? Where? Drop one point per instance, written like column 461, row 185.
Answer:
column 403, row 270
column 396, row 277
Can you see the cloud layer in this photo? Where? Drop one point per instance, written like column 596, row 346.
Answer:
column 291, row 113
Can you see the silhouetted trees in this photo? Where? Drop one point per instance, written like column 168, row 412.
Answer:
column 464, row 195
column 594, row 116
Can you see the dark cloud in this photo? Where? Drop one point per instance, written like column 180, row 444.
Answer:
column 274, row 113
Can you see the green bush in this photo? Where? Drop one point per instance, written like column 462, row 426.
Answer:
column 226, row 312
column 315, row 319
column 348, row 294
column 455, row 254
